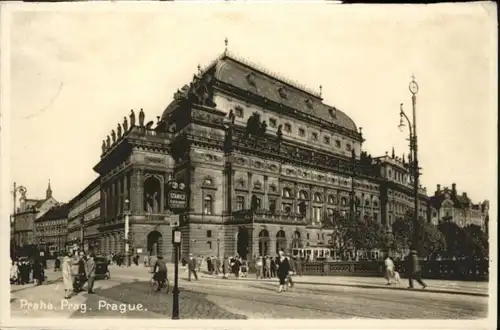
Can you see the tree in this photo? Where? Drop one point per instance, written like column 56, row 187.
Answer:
column 455, row 238
column 343, row 232
column 477, row 241
column 402, row 230
column 370, row 234
column 432, row 241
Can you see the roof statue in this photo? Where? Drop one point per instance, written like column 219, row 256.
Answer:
column 150, row 124
column 125, row 125
column 108, row 142
column 113, row 136
column 103, row 147
column 142, row 116
column 132, row 118
column 119, row 130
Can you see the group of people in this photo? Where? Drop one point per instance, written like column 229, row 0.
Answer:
column 78, row 269
column 267, row 266
column 413, row 269
column 25, row 271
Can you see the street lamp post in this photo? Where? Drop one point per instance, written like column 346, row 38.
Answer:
column 412, row 127
column 127, row 234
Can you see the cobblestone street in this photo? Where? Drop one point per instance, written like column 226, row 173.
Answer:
column 248, row 298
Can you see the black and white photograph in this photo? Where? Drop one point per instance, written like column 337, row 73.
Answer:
column 292, row 164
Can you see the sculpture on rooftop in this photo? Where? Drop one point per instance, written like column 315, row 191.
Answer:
column 108, row 142
column 103, row 147
column 113, row 135
column 125, row 125
column 141, row 118
column 132, row 118
column 119, row 130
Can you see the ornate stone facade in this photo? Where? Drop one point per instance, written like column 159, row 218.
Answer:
column 267, row 163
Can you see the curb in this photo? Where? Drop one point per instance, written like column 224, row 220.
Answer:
column 367, row 286
column 31, row 286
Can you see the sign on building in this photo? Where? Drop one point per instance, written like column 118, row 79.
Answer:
column 177, row 197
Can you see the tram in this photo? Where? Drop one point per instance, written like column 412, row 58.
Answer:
column 312, row 253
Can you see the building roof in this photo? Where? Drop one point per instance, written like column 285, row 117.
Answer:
column 95, row 183
column 56, row 212
column 247, row 77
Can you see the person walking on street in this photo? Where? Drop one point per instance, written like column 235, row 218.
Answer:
column 90, row 272
column 160, row 272
column 291, row 262
column 67, row 276
column 57, row 264
column 389, row 270
column 260, row 268
column 283, row 270
column 225, row 267
column 414, row 270
column 298, row 266
column 192, row 267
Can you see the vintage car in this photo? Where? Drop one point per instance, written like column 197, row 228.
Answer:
column 101, row 268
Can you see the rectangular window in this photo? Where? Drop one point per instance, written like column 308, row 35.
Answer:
column 209, row 233
column 314, row 136
column 288, row 128
column 239, row 112
column 209, row 245
column 318, row 236
column 302, row 132
column 307, row 235
column 348, row 147
column 338, row 144
column 272, row 205
column 272, row 122
column 240, row 203
column 326, row 139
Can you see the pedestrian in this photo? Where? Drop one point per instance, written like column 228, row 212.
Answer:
column 259, row 267
column 414, row 270
column 14, row 273
column 274, row 266
column 389, row 270
column 57, row 264
column 192, row 267
column 82, row 276
column 146, row 261
column 217, row 266
column 236, row 267
column 298, row 266
column 283, row 270
column 67, row 275
column 209, row 265
column 225, row 267
column 291, row 263
column 90, row 267
column 75, row 260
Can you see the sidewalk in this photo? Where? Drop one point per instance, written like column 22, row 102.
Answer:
column 46, row 300
column 436, row 286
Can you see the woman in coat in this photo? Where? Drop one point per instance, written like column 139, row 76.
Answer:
column 67, row 276
column 225, row 267
column 283, row 270
column 14, row 273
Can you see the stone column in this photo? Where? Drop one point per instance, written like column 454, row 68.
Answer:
column 125, row 187
column 162, row 195
column 136, row 190
column 325, row 202
column 265, row 202
column 295, row 197
column 311, row 200
column 250, row 187
column 119, row 195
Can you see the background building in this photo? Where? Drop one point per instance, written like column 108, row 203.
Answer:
column 448, row 205
column 51, row 230
column 267, row 163
column 84, row 218
column 23, row 226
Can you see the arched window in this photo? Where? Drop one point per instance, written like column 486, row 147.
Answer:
column 331, row 199
column 317, row 197
column 280, row 241
column 302, row 194
column 208, row 205
column 256, row 203
column 367, row 202
column 287, row 192
column 343, row 201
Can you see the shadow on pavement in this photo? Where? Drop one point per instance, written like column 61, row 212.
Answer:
column 122, row 301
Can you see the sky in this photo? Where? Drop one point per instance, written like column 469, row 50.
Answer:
column 76, row 71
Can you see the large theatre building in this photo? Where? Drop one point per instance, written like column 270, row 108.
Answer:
column 266, row 161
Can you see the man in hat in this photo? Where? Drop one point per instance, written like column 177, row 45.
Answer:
column 192, row 265
column 414, row 271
